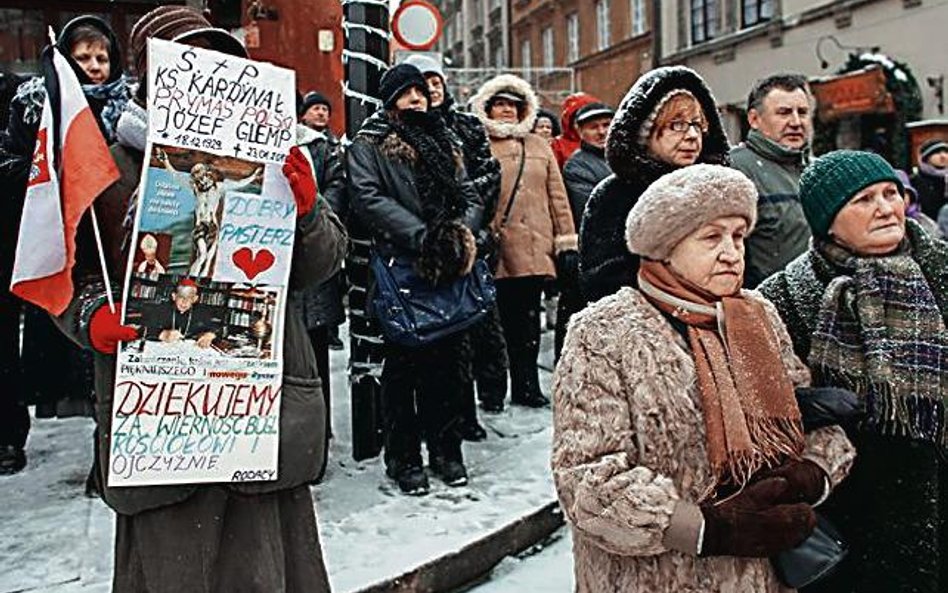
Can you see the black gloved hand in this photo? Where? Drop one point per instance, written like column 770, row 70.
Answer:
column 751, row 523
column 828, row 406
column 567, row 268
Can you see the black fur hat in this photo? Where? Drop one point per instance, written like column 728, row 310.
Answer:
column 397, row 80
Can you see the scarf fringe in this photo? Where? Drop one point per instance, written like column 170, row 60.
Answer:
column 890, row 414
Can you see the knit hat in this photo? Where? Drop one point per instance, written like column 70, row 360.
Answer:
column 646, row 130
column 907, row 184
column 834, row 178
column 592, row 111
column 930, row 147
column 314, row 98
column 176, row 23
column 681, row 202
column 397, row 80
column 427, row 64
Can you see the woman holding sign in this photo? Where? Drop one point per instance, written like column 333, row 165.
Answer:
column 207, row 538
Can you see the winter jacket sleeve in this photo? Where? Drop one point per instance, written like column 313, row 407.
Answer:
column 332, row 185
column 605, row 263
column 373, row 204
column 565, row 237
column 580, row 181
column 320, row 247
column 618, row 505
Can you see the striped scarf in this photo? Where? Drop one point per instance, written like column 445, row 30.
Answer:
column 880, row 332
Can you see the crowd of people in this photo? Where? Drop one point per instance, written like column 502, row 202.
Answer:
column 713, row 299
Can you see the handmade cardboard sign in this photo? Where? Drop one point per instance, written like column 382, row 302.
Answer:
column 197, row 397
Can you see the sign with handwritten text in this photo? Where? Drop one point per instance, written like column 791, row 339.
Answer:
column 219, row 103
column 198, row 396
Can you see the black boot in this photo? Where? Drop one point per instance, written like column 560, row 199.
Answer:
column 411, row 478
column 525, row 382
column 451, row 471
column 492, row 394
column 470, row 429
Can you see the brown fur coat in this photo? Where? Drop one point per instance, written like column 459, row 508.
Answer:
column 629, row 447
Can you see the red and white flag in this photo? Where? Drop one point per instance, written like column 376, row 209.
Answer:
column 71, row 166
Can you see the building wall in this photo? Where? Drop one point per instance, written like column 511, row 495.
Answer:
column 914, row 35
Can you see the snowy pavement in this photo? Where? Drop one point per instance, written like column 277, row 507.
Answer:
column 546, row 567
column 55, row 540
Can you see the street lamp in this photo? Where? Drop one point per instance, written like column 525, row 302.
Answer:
column 824, row 63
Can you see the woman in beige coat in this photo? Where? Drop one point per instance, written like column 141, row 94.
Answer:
column 532, row 219
column 678, row 450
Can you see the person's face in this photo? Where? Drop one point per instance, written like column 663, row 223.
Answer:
column 712, row 257
column 317, row 116
column 435, row 89
column 679, row 141
column 150, row 255
column 93, row 58
column 594, row 131
column 504, row 110
column 872, row 222
column 543, row 127
column 412, row 99
column 785, row 117
column 939, row 160
column 184, row 300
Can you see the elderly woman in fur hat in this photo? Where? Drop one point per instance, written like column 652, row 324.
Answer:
column 867, row 309
column 533, row 221
column 666, row 121
column 678, row 449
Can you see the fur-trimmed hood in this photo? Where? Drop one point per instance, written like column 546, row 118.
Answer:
column 629, row 159
column 511, row 83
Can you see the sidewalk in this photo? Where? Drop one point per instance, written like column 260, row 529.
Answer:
column 54, row 540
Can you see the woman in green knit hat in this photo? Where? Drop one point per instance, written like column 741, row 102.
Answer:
column 867, row 309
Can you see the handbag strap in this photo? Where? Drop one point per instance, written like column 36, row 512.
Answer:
column 513, row 192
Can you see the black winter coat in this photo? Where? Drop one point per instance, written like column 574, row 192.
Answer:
column 605, row 262
column 322, row 304
column 582, row 172
column 932, row 193
column 383, row 193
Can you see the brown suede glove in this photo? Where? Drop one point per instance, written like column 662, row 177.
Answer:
column 806, row 480
column 753, row 524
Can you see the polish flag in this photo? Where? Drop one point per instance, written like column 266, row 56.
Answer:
column 71, row 166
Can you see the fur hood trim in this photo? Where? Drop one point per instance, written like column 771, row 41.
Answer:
column 511, row 83
column 626, row 155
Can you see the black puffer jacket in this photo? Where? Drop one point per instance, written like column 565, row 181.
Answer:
column 482, row 168
column 605, row 262
column 582, row 173
column 383, row 191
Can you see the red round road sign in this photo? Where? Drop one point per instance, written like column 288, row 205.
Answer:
column 417, row 25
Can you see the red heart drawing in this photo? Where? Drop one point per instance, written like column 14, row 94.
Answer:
column 252, row 264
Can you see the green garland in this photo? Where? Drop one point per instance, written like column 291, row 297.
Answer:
column 908, row 108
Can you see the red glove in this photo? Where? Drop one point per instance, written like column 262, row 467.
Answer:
column 302, row 181
column 105, row 331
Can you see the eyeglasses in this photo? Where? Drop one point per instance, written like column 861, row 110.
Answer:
column 681, row 126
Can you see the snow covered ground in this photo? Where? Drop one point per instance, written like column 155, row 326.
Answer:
column 54, row 540
column 547, row 567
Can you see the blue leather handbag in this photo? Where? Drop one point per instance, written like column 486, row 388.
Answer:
column 414, row 312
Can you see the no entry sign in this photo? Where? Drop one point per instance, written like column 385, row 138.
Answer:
column 417, row 25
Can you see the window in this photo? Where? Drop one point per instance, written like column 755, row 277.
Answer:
column 602, row 24
column 757, row 11
column 572, row 37
column 494, row 4
column 525, row 57
column 639, row 24
column 705, row 17
column 499, row 56
column 549, row 51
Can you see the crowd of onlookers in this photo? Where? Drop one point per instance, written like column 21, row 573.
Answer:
column 685, row 449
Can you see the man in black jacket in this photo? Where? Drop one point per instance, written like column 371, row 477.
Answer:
column 487, row 354
column 581, row 174
column 408, row 187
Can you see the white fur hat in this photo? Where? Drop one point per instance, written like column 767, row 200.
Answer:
column 683, row 201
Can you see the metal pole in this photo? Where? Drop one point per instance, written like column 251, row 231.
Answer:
column 365, row 25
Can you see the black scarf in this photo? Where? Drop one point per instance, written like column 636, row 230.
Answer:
column 436, row 165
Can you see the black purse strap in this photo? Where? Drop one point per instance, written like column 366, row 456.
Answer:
column 513, row 192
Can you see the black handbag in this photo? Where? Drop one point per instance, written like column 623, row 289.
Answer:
column 414, row 312
column 814, row 559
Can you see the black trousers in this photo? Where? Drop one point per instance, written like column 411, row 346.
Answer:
column 518, row 300
column 14, row 417
column 421, row 397
column 320, row 338
column 487, row 353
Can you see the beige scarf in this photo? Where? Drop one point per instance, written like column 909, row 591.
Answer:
column 750, row 411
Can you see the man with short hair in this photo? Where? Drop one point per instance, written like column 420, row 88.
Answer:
column 777, row 149
column 315, row 111
column 186, row 318
column 582, row 172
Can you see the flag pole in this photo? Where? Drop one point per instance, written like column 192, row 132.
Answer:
column 105, row 270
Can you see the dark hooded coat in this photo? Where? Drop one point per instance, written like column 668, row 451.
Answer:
column 605, row 263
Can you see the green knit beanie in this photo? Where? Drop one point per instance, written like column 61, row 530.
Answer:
column 834, row 178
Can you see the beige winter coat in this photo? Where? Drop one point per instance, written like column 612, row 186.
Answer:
column 629, row 456
column 540, row 224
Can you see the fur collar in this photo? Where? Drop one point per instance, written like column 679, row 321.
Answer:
column 506, row 82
